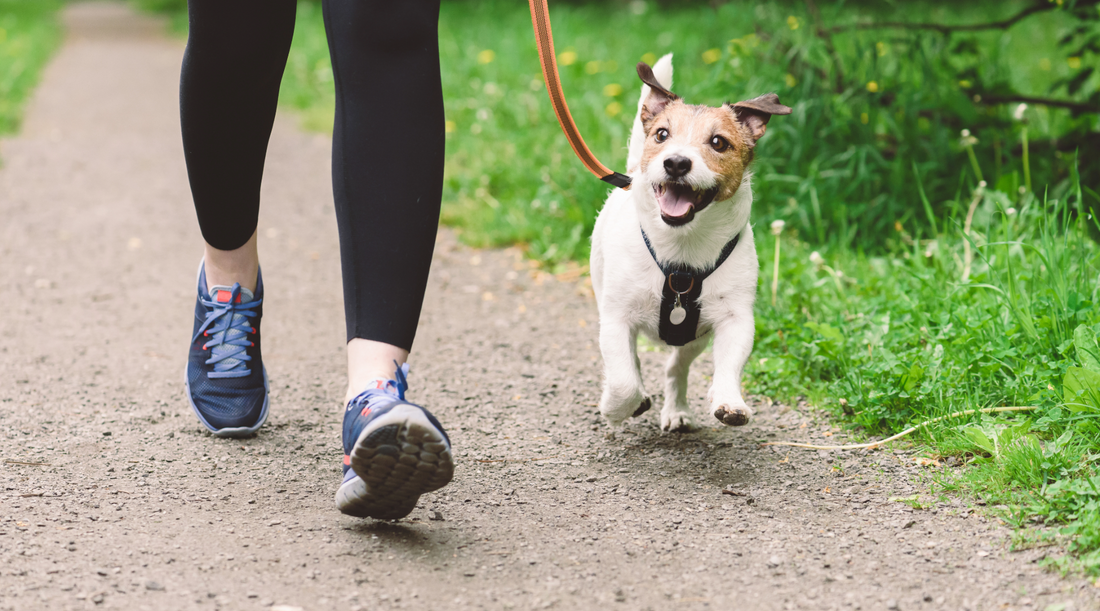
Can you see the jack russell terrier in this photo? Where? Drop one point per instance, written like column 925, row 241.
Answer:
column 673, row 257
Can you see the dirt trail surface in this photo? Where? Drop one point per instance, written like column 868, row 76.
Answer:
column 113, row 497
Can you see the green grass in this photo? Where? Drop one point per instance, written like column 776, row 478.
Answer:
column 29, row 34
column 887, row 341
column 839, row 170
column 872, row 173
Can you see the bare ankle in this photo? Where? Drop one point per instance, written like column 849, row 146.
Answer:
column 227, row 267
column 369, row 360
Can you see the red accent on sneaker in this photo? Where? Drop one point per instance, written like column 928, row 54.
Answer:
column 366, row 410
column 223, row 297
column 347, row 460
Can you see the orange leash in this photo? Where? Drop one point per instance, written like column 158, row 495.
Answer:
column 540, row 18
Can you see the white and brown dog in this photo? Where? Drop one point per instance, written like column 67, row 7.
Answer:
column 684, row 220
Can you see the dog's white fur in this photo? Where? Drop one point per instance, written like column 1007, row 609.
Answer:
column 628, row 284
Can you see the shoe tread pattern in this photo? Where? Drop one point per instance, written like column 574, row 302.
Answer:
column 398, row 462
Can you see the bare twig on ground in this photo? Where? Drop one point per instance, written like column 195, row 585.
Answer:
column 875, row 444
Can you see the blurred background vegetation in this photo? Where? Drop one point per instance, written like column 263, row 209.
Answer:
column 29, row 33
column 937, row 184
column 881, row 92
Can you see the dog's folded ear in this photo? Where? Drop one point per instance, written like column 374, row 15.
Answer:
column 755, row 113
column 658, row 97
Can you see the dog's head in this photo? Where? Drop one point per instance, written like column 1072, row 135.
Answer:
column 697, row 155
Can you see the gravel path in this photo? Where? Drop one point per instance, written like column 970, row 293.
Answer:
column 113, row 497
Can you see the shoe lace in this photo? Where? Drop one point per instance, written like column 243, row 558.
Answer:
column 383, row 391
column 227, row 325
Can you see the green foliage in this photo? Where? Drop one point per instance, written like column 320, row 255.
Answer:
column 29, row 34
column 874, row 139
column 889, row 341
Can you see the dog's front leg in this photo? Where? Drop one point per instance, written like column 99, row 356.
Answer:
column 732, row 346
column 676, row 414
column 623, row 392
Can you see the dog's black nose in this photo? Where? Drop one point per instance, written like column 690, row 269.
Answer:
column 677, row 166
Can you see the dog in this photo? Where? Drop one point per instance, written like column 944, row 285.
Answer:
column 685, row 220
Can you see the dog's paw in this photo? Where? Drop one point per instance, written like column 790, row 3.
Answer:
column 643, row 408
column 733, row 415
column 617, row 407
column 676, row 422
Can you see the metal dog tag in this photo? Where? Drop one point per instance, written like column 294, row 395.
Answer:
column 677, row 316
column 678, row 313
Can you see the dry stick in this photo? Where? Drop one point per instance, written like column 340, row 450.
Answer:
column 968, row 257
column 875, row 444
column 947, row 29
column 775, row 273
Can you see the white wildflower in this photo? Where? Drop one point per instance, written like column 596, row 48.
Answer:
column 777, row 226
column 1018, row 114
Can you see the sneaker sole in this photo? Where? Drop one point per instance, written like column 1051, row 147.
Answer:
column 399, row 457
column 231, row 432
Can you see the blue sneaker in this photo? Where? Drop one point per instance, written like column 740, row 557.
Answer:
column 226, row 380
column 394, row 451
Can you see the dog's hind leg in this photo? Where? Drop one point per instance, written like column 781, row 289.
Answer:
column 676, row 413
column 623, row 391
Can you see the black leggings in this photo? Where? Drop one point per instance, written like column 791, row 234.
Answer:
column 387, row 149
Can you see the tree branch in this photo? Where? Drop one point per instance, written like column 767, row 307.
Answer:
column 1071, row 105
column 947, row 29
column 823, row 34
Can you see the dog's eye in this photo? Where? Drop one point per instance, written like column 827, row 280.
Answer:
column 719, row 144
column 662, row 135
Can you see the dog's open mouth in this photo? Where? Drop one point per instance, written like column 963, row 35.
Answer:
column 679, row 202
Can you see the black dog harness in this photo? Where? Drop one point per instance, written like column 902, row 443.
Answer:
column 679, row 301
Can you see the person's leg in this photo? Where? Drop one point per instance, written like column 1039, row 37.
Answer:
column 387, row 169
column 229, row 87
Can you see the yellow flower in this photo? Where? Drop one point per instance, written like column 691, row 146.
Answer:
column 592, row 67
column 612, row 89
column 1073, row 62
column 649, row 58
column 793, row 22
column 881, row 48
column 790, row 80
column 450, row 126
column 567, row 58
column 711, row 55
column 965, row 84
column 864, row 118
column 872, row 86
column 613, row 109
column 486, row 57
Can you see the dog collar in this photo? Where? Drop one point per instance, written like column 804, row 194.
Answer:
column 683, row 285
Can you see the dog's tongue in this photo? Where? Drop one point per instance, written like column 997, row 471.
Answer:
column 677, row 200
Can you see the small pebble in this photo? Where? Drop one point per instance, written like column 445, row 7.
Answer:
column 435, row 515
column 892, row 604
column 152, row 585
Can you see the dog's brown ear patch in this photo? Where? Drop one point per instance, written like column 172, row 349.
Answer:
column 658, row 97
column 755, row 113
